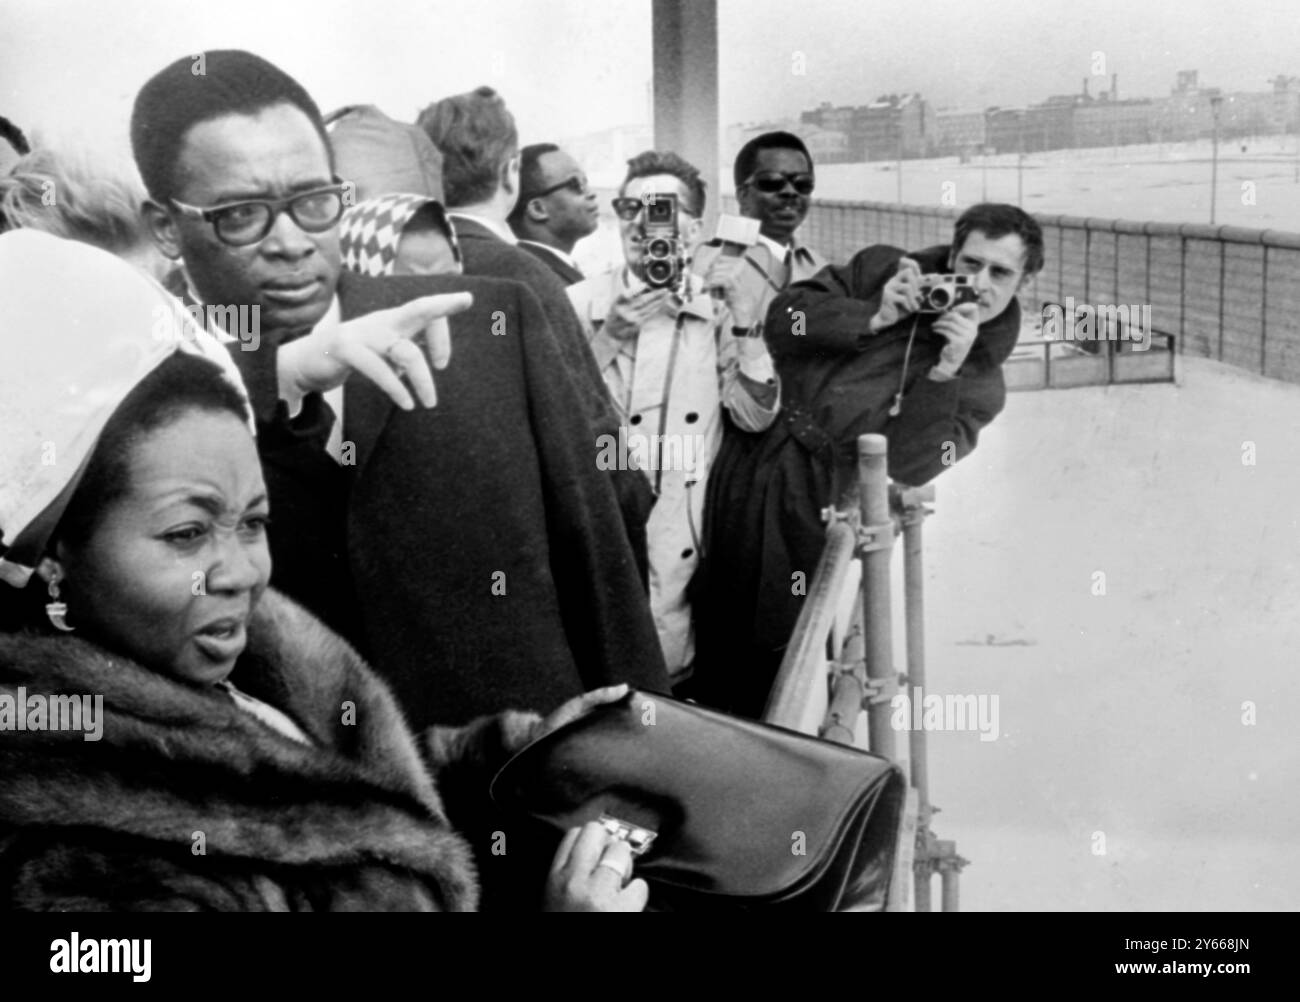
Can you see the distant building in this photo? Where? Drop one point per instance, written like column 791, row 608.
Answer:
column 905, row 125
column 894, row 126
column 843, row 120
column 1050, row 125
column 956, row 133
column 1115, row 123
column 1248, row 113
column 827, row 146
column 1286, row 104
column 1002, row 127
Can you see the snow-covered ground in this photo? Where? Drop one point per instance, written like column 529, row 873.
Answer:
column 1122, row 714
column 1258, row 187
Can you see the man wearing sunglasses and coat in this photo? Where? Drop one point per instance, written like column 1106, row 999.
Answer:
column 774, row 184
column 676, row 350
column 556, row 209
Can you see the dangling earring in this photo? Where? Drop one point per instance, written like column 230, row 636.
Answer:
column 57, row 611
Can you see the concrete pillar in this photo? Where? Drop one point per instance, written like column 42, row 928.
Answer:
column 686, row 87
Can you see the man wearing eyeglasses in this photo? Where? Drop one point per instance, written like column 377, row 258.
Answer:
column 675, row 354
column 476, row 541
column 556, row 208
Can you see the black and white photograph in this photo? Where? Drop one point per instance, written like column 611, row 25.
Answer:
column 692, row 456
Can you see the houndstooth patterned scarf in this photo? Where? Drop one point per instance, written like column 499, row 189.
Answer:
column 371, row 230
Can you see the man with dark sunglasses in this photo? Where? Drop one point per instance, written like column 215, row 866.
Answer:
column 774, row 184
column 556, row 208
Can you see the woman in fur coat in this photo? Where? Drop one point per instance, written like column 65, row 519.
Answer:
column 173, row 736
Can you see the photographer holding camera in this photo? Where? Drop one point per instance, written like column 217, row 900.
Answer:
column 907, row 345
column 674, row 349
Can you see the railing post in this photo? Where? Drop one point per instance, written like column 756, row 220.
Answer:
column 914, row 511
column 876, row 535
column 922, row 899
column 1263, row 320
column 804, row 655
column 949, row 871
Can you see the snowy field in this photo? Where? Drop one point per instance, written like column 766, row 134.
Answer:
column 1258, row 187
column 1122, row 714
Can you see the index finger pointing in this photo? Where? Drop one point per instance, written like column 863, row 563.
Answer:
column 438, row 338
column 415, row 316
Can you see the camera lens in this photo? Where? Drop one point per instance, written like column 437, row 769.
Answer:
column 659, row 272
column 939, row 298
column 659, row 247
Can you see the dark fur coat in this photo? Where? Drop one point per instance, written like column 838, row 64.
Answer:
column 354, row 823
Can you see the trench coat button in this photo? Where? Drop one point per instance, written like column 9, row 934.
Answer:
column 692, row 417
column 636, row 419
column 686, row 553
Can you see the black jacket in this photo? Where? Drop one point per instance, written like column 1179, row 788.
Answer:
column 499, row 477
column 488, row 550
column 487, row 255
column 566, row 272
column 763, row 525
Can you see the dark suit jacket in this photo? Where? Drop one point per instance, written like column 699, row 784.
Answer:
column 486, row 545
column 307, row 490
column 566, row 272
column 487, row 255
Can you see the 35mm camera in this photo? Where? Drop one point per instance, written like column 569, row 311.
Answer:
column 940, row 293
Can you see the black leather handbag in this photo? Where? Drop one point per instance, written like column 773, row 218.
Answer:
column 720, row 812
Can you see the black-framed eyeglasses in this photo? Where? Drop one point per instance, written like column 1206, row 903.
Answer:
column 627, row 209
column 576, row 184
column 771, row 182
column 239, row 224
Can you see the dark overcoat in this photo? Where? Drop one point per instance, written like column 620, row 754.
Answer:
column 481, row 560
column 564, row 271
column 488, row 256
column 763, row 526
column 487, row 548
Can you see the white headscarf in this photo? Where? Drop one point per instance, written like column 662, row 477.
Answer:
column 79, row 329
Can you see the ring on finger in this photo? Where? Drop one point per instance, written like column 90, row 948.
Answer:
column 390, row 354
column 621, row 871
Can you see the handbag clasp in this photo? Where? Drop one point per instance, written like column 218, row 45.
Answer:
column 638, row 837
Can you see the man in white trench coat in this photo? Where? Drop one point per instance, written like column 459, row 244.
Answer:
column 674, row 351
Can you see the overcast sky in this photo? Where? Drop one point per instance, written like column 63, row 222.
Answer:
column 72, row 67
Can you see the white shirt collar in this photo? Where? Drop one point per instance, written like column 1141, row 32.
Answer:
column 497, row 226
column 778, row 250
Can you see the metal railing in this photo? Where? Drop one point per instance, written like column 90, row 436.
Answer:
column 1224, row 292
column 854, row 666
